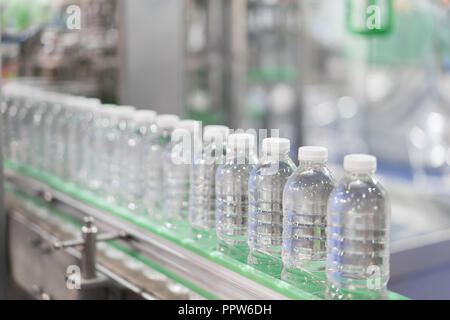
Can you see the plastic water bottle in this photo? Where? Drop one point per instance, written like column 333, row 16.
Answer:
column 6, row 101
column 134, row 180
column 78, row 130
column 24, row 118
column 176, row 170
column 13, row 119
column 165, row 124
column 358, row 233
column 50, row 117
column 37, row 148
column 103, row 138
column 63, row 120
column 202, row 206
column 305, row 200
column 4, row 127
column 232, row 195
column 265, row 225
column 121, row 126
column 74, row 150
column 85, row 145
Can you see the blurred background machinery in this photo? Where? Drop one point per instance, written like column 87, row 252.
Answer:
column 314, row 69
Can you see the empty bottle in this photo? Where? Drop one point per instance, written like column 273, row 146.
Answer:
column 134, row 179
column 232, row 195
column 305, row 200
column 358, row 233
column 265, row 225
column 176, row 169
column 202, row 207
column 165, row 124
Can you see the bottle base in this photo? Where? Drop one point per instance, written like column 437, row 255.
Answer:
column 315, row 283
column 266, row 263
column 335, row 293
column 238, row 252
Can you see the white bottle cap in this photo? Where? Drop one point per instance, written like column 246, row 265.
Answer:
column 167, row 121
column 124, row 112
column 214, row 131
column 192, row 126
column 144, row 116
column 76, row 102
column 312, row 153
column 107, row 110
column 241, row 141
column 362, row 163
column 276, row 145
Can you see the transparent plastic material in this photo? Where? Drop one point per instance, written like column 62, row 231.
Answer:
column 232, row 197
column 179, row 237
column 305, row 201
column 176, row 170
column 265, row 225
column 202, row 206
column 165, row 124
column 138, row 159
column 358, row 238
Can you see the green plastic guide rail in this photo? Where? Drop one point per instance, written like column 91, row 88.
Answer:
column 181, row 237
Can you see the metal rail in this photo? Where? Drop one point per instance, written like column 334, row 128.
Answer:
column 200, row 271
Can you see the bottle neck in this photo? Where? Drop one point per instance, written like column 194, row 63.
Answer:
column 355, row 175
column 303, row 164
column 277, row 156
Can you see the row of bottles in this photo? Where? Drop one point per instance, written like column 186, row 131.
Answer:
column 297, row 223
column 114, row 151
column 291, row 222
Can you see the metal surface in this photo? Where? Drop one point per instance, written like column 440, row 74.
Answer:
column 43, row 272
column 89, row 242
column 200, row 271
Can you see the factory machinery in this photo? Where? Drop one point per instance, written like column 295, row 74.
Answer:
column 65, row 243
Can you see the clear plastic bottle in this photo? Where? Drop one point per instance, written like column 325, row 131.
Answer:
column 63, row 120
column 74, row 150
column 305, row 200
column 84, row 141
column 232, row 195
column 121, row 126
column 6, row 101
column 37, row 148
column 30, row 98
column 176, row 169
column 165, row 124
column 265, row 224
column 358, row 233
column 202, row 206
column 102, row 137
column 134, row 180
column 13, row 119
